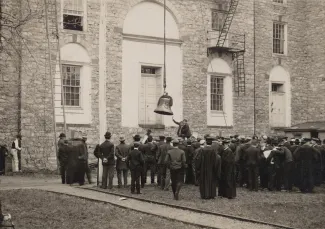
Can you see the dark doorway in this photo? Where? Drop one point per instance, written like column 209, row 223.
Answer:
column 313, row 134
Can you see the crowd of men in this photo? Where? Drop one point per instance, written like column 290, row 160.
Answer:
column 266, row 163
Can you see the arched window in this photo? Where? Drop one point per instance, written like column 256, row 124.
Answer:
column 76, row 81
column 219, row 94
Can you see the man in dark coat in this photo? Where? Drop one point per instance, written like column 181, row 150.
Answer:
column 183, row 129
column 135, row 163
column 318, row 162
column 3, row 154
column 158, row 167
column 265, row 150
column 137, row 138
column 195, row 156
column 288, row 169
column 252, row 158
column 87, row 169
column 163, row 149
column 176, row 162
column 122, row 151
column 208, row 167
column 227, row 184
column 63, row 159
column 240, row 161
column 150, row 151
column 108, row 161
column 276, row 160
column 305, row 157
column 189, row 152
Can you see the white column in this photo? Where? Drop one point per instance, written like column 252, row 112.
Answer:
column 102, row 79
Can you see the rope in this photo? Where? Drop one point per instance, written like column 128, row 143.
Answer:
column 164, row 46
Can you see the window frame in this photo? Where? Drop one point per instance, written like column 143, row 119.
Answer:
column 83, row 16
column 223, row 94
column 80, row 86
column 218, row 11
column 285, row 38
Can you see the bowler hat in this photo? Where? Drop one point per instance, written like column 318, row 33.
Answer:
column 108, row 134
column 226, row 141
column 169, row 139
column 62, row 135
column 122, row 138
column 136, row 137
column 161, row 137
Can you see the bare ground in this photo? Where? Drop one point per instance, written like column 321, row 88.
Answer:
column 32, row 209
column 291, row 209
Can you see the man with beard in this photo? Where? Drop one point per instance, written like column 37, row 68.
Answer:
column 176, row 162
column 135, row 162
column 163, row 149
column 208, row 167
column 252, row 158
column 122, row 151
column 227, row 185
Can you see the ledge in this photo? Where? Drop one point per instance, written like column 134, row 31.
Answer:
column 154, row 126
column 74, row 125
column 221, row 127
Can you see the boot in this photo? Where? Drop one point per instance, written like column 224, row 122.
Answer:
column 178, row 188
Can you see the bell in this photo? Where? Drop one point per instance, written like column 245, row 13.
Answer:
column 164, row 105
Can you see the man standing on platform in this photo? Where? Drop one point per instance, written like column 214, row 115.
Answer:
column 107, row 156
column 183, row 129
column 122, row 151
column 176, row 162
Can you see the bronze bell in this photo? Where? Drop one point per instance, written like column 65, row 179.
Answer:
column 164, row 105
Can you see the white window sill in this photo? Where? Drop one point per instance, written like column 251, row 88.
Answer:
column 279, row 55
column 68, row 31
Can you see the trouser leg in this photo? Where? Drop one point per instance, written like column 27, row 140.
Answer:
column 105, row 175
column 167, row 180
column 144, row 174
column 163, row 176
column 14, row 160
column 173, row 176
column 152, row 172
column 125, row 177
column 63, row 172
column 110, row 176
column 19, row 159
column 137, row 180
column 158, row 174
column 133, row 180
column 119, row 177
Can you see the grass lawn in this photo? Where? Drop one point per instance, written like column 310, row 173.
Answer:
column 31, row 209
column 291, row 209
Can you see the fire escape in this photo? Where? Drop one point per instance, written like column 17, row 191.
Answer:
column 224, row 42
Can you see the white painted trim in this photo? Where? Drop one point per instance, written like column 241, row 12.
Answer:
column 149, row 39
column 102, row 71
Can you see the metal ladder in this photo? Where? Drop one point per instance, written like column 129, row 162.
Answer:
column 226, row 25
column 239, row 73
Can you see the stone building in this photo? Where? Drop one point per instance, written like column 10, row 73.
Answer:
column 112, row 60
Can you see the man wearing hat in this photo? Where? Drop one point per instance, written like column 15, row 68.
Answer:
column 145, row 138
column 183, row 129
column 318, row 162
column 252, row 158
column 135, row 162
column 196, row 153
column 108, row 161
column 227, row 184
column 122, row 151
column 189, row 152
column 176, row 162
column 137, row 139
column 163, row 149
column 241, row 161
column 150, row 151
column 16, row 153
column 87, row 169
column 63, row 156
column 208, row 167
column 160, row 143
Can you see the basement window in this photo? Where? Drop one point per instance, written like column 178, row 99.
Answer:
column 73, row 15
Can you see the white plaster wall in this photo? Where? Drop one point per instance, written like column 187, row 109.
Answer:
column 279, row 74
column 75, row 54
column 140, row 53
column 219, row 67
column 147, row 19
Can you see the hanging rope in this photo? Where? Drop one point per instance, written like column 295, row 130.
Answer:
column 164, row 46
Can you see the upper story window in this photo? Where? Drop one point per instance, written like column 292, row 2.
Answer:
column 219, row 15
column 279, row 38
column 73, row 15
column 71, row 85
column 216, row 93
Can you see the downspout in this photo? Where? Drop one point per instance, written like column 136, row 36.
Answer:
column 254, row 10
column 20, row 61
